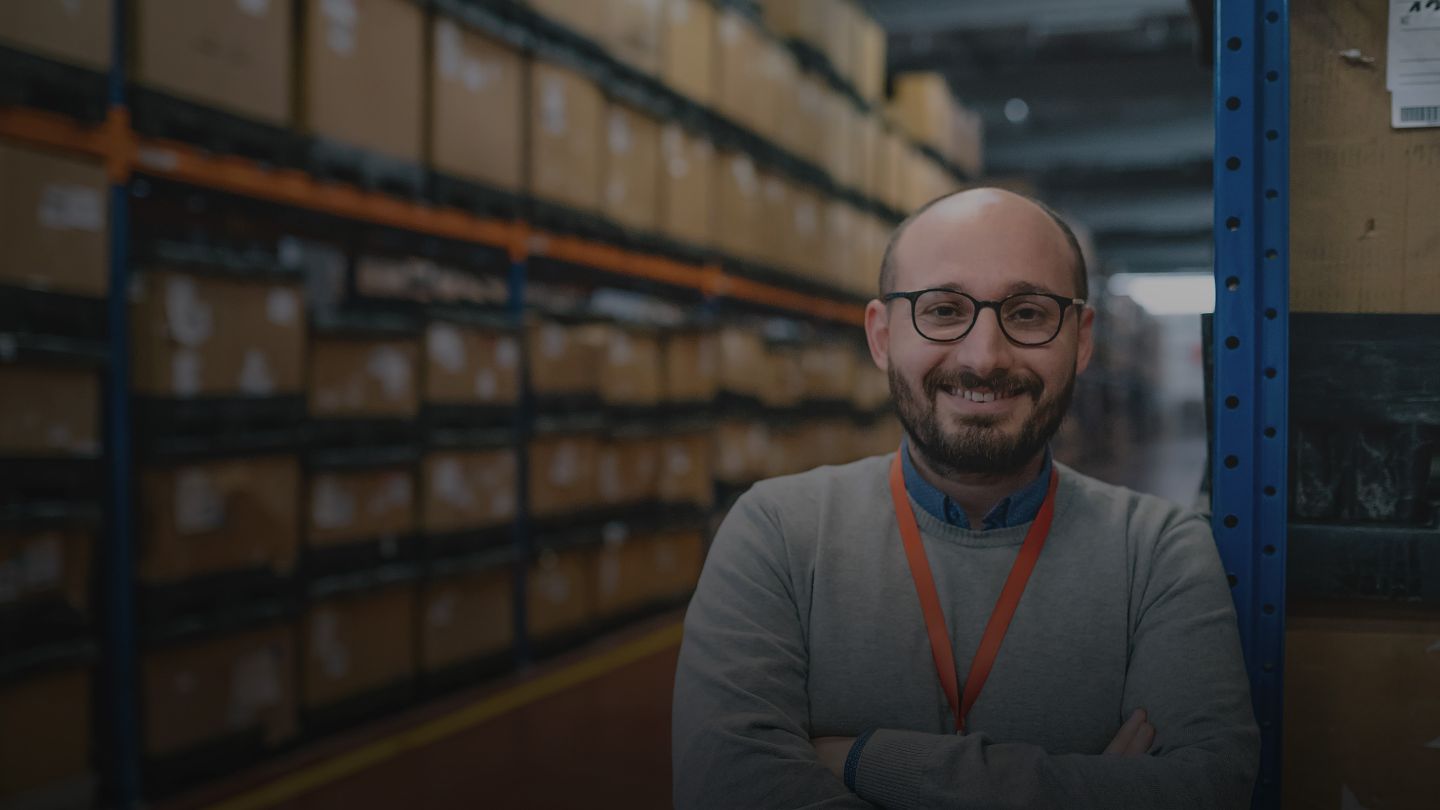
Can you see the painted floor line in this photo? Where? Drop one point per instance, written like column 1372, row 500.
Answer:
column 343, row 765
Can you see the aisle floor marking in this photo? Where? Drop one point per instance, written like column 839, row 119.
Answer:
column 347, row 764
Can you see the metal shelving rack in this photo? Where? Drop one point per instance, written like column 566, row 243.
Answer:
column 1251, row 345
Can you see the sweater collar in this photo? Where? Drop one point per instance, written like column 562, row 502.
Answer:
column 1016, row 509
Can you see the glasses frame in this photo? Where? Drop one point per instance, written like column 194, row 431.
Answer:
column 914, row 295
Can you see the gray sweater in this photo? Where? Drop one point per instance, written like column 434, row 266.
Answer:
column 806, row 624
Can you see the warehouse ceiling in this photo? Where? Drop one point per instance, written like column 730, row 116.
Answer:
column 1104, row 106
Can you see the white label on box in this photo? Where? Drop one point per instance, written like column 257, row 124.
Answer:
column 449, row 51
column 185, row 373
column 396, row 493
column 341, row 20
column 552, row 341
column 679, row 12
column 807, row 220
column 485, row 385
column 442, row 610
column 729, row 28
column 622, row 353
column 391, row 368
column 555, row 586
column 68, row 207
column 199, row 508
column 677, row 461
column 254, row 687
column 620, row 138
column 446, row 347
column 43, row 564
column 565, row 466
column 255, row 377
column 615, row 191
column 333, row 506
column 553, row 107
column 450, row 484
column 507, row 354
column 744, row 171
column 282, row 306
column 774, row 190
column 478, row 75
column 255, row 8
column 190, row 319
column 1413, row 65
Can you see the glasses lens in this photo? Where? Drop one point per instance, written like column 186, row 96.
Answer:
column 943, row 315
column 1030, row 319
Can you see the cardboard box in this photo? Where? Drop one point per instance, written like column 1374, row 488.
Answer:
column 797, row 19
column 50, row 411
column 898, row 151
column 742, row 451
column 629, row 363
column 566, row 117
column 776, row 220
column 806, row 238
column 477, row 92
column 686, row 178
column 563, row 474
column 363, row 74
column 585, row 17
column 348, row 506
column 1363, row 196
column 195, row 336
column 692, row 366
column 837, row 253
column 234, row 56
column 743, row 362
column 49, row 565
column 675, row 562
column 632, row 33
column 48, row 737
column 468, row 489
column 207, row 517
column 360, row 377
column 688, row 48
column 868, row 146
column 1361, row 712
column 738, row 205
column 870, row 60
column 630, row 191
column 561, row 365
column 627, row 470
column 560, row 593
column 840, row 17
column 809, row 118
column 784, row 386
column 79, row 32
column 467, row 365
column 779, row 87
column 968, row 145
column 54, row 222
column 839, row 140
column 739, row 52
column 208, row 690
column 685, row 470
column 465, row 617
column 357, row 644
column 621, row 570
column 925, row 108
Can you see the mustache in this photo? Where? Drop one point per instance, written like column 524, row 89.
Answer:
column 1001, row 382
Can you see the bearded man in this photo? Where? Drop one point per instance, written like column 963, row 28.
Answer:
column 965, row 622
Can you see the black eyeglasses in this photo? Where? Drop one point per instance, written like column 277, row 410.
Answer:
column 1027, row 319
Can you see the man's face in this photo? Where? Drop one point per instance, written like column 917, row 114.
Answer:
column 981, row 405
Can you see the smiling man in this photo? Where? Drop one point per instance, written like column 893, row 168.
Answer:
column 965, row 623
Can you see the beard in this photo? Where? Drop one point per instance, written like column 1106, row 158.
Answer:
column 978, row 445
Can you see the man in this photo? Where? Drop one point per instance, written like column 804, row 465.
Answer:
column 1079, row 637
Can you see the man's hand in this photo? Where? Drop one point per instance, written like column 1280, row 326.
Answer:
column 833, row 751
column 1134, row 738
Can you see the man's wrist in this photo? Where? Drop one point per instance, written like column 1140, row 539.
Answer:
column 852, row 761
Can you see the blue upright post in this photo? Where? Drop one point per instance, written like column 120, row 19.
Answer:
column 1252, row 344
column 522, row 428
column 119, row 694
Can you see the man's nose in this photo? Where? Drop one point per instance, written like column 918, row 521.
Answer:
column 985, row 349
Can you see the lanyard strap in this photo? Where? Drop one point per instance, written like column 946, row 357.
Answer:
column 1009, row 600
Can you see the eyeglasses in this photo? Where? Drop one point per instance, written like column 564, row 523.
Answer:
column 1027, row 319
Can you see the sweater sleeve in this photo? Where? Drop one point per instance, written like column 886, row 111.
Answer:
column 740, row 731
column 1185, row 669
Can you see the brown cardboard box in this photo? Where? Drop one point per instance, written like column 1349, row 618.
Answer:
column 1362, row 716
column 829, row 371
column 785, row 382
column 898, row 151
column 466, row 616
column 196, row 336
column 839, row 141
column 563, row 474
column 627, row 470
column 688, row 48
column 54, row 222
column 629, row 363
column 925, row 108
column 204, row 691
column 779, row 85
column 477, row 91
column 630, row 190
column 840, row 17
column 566, row 118
column 561, row 365
column 1363, row 197
column 804, row 236
column 46, row 565
column 622, row 581
column 687, row 175
column 675, row 561
column 742, row 448
column 586, row 17
column 870, row 60
column 358, row 643
column 797, row 19
column 868, row 147
column 363, row 74
column 47, row 741
column 838, row 248
column 206, row 517
column 49, row 411
column 471, row 366
column 738, row 208
column 692, row 366
column 468, row 489
column 808, row 118
column 738, row 79
column 79, row 32
column 355, row 377
column 632, row 33
column 743, row 362
column 220, row 53
column 776, row 221
column 560, row 593
column 685, row 470
column 347, row 506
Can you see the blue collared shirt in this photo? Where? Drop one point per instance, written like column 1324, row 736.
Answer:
column 1017, row 509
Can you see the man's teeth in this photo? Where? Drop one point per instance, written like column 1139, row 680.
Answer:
column 975, row 396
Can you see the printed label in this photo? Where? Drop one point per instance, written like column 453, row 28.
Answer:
column 185, row 373
column 391, row 367
column 199, row 507
column 255, row 377
column 255, row 8
column 190, row 319
column 446, row 347
column 553, row 107
column 67, row 207
column 282, row 306
column 333, row 506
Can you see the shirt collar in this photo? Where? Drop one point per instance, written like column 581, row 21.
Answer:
column 1017, row 509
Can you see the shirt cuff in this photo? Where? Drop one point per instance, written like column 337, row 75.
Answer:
column 890, row 770
column 853, row 760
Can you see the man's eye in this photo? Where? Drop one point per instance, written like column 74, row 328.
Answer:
column 1026, row 314
column 945, row 311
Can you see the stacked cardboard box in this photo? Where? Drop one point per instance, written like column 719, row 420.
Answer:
column 79, row 32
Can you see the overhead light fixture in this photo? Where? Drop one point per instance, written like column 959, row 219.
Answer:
column 1017, row 111
column 1167, row 293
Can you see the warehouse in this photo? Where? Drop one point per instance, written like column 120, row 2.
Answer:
column 377, row 375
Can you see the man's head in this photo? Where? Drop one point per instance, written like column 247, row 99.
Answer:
column 982, row 404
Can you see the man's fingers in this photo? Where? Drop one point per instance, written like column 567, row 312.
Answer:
column 1126, row 735
column 1144, row 738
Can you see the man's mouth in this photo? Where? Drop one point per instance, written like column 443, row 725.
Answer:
column 976, row 394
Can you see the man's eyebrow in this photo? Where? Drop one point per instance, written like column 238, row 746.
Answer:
column 1021, row 287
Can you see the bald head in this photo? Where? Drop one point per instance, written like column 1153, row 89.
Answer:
column 987, row 213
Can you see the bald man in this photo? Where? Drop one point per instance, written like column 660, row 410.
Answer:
column 964, row 622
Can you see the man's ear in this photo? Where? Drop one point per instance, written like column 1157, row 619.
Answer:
column 1086, row 346
column 877, row 333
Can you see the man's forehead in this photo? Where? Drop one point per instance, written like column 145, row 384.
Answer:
column 992, row 240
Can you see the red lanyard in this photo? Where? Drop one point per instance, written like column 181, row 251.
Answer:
column 930, row 600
